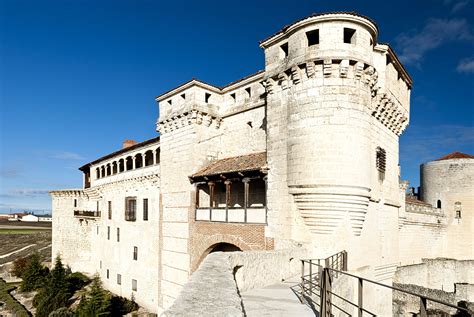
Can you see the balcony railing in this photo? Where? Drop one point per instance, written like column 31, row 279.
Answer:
column 86, row 213
column 257, row 215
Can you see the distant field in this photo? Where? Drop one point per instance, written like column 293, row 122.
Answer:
column 19, row 242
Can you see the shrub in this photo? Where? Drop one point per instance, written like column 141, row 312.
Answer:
column 77, row 281
column 10, row 303
column 20, row 265
column 56, row 291
column 61, row 312
column 97, row 302
column 34, row 274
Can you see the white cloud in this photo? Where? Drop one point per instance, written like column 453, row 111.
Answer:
column 458, row 6
column 466, row 65
column 28, row 192
column 436, row 32
column 65, row 155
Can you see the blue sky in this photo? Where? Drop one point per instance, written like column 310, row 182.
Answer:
column 79, row 77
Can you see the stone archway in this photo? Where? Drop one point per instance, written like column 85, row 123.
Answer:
column 217, row 243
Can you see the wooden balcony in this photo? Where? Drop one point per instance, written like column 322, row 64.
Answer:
column 233, row 215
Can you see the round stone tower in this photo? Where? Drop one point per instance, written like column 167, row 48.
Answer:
column 448, row 184
column 342, row 100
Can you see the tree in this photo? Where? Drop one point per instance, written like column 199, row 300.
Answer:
column 34, row 275
column 96, row 303
column 55, row 293
column 20, row 265
column 61, row 312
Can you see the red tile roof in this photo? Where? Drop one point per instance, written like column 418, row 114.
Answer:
column 455, row 155
column 250, row 162
column 414, row 201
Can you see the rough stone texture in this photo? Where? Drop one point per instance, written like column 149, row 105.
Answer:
column 451, row 181
column 211, row 291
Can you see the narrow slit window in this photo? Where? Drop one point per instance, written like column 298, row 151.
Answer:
column 349, row 35
column 381, row 162
column 284, row 49
column 145, row 209
column 75, row 202
column 119, row 279
column 110, row 209
column 118, row 234
column 108, row 233
column 135, row 253
column 108, row 273
column 438, row 204
column 312, row 37
column 206, row 97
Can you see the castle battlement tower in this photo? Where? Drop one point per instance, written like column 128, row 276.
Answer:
column 337, row 103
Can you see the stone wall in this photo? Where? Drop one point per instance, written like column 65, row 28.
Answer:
column 214, row 289
column 437, row 273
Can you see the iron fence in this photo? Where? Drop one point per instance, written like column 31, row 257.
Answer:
column 316, row 290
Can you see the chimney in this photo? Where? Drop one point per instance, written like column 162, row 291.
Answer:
column 128, row 143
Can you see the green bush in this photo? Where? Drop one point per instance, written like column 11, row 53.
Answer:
column 10, row 303
column 77, row 281
column 99, row 302
column 34, row 274
column 61, row 312
column 56, row 291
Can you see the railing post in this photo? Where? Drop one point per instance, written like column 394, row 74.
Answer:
column 423, row 312
column 310, row 278
column 325, row 294
column 302, row 277
column 360, row 297
column 344, row 260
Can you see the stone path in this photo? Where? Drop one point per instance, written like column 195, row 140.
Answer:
column 275, row 300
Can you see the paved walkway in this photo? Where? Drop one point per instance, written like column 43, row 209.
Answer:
column 275, row 300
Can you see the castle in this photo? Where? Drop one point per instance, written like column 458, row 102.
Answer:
column 302, row 154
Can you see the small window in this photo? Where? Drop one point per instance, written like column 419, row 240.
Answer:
column 97, row 230
column 108, row 233
column 110, row 209
column 119, row 279
column 312, row 37
column 118, row 234
column 134, row 285
column 206, row 97
column 100, row 264
column 108, row 273
column 97, row 206
column 349, row 36
column 183, row 96
column 438, row 204
column 145, row 209
column 457, row 208
column 170, row 102
column 284, row 49
column 248, row 90
column 130, row 208
column 135, row 253
column 75, row 202
column 380, row 162
column 233, row 96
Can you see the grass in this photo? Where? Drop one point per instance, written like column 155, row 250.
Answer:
column 10, row 303
column 22, row 231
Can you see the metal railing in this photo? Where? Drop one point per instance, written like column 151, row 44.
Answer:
column 318, row 293
column 86, row 213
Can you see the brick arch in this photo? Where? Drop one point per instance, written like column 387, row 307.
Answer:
column 205, row 246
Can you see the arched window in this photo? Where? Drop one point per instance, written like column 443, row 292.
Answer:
column 121, row 166
column 157, row 158
column 438, row 204
column 108, row 169
column 128, row 163
column 148, row 158
column 102, row 171
column 114, row 168
column 138, row 160
column 97, row 171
